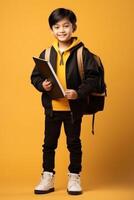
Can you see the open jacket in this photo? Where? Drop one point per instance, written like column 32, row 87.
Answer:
column 73, row 80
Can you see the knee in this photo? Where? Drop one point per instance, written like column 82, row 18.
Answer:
column 74, row 145
column 49, row 147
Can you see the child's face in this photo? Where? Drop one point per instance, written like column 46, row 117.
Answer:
column 63, row 30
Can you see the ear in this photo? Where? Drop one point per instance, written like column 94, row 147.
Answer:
column 74, row 27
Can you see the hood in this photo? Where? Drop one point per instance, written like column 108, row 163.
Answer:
column 75, row 44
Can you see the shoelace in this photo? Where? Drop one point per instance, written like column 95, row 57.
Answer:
column 74, row 179
column 46, row 177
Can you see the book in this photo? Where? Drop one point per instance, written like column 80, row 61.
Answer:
column 48, row 72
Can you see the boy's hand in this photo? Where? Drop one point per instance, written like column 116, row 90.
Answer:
column 47, row 85
column 71, row 94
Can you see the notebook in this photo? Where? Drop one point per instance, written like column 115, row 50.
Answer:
column 48, row 72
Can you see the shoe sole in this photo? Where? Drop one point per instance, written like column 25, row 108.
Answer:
column 43, row 191
column 74, row 192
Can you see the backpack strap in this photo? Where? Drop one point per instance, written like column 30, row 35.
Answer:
column 93, row 120
column 80, row 62
column 47, row 54
column 97, row 58
column 81, row 73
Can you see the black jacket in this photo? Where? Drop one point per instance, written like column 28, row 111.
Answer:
column 89, row 83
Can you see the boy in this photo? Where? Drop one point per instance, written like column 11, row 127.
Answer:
column 68, row 110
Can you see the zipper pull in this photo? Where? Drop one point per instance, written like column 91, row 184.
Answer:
column 72, row 119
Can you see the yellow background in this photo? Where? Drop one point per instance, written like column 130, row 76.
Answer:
column 106, row 28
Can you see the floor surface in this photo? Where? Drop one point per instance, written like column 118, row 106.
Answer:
column 21, row 192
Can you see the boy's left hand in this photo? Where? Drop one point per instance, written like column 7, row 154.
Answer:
column 71, row 94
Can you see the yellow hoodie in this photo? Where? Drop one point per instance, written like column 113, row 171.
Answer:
column 62, row 104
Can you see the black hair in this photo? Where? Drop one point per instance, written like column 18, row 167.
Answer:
column 61, row 13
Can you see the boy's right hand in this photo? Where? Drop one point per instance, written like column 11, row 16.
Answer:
column 47, row 85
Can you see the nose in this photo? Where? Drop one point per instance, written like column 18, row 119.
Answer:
column 61, row 30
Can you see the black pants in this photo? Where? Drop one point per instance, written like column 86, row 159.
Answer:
column 52, row 132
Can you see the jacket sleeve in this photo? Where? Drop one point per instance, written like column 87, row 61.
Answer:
column 36, row 77
column 90, row 80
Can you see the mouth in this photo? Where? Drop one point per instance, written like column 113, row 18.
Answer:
column 62, row 35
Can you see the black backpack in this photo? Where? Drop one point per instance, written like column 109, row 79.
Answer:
column 94, row 101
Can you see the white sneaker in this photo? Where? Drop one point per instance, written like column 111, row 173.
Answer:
column 46, row 184
column 74, row 187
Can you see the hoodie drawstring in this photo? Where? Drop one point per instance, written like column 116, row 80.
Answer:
column 61, row 59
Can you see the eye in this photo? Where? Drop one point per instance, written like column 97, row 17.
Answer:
column 66, row 26
column 56, row 27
